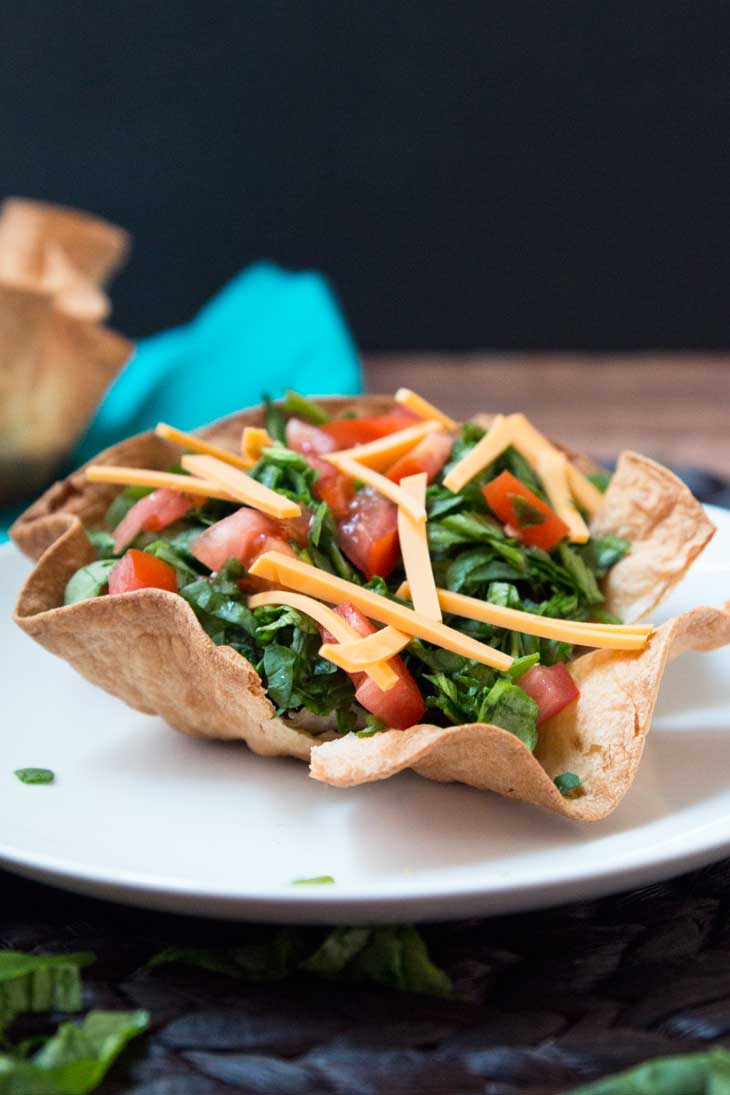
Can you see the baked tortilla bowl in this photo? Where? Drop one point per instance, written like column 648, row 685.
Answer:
column 147, row 648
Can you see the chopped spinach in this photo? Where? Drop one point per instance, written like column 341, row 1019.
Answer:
column 35, row 775
column 299, row 405
column 477, row 694
column 318, row 880
column 286, row 472
column 163, row 549
column 569, row 785
column 601, row 555
column 373, row 725
column 274, row 421
column 527, row 515
column 102, row 542
column 88, row 581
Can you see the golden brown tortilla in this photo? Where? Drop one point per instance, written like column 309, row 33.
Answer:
column 600, row 737
column 148, row 649
column 668, row 528
column 55, row 358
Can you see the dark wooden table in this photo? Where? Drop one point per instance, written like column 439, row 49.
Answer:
column 545, row 1000
column 675, row 407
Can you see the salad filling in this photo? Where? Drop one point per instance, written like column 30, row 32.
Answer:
column 458, row 560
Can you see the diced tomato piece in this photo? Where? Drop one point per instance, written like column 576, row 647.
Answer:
column 337, row 491
column 402, row 705
column 500, row 494
column 307, row 439
column 153, row 512
column 140, row 570
column 296, row 529
column 239, row 536
column 551, row 687
column 358, row 431
column 331, row 487
column 369, row 533
column 428, row 455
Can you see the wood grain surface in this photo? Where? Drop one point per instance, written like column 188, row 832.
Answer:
column 674, row 407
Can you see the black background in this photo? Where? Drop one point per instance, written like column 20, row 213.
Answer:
column 468, row 174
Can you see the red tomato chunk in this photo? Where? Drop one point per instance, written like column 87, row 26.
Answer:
column 551, row 687
column 347, row 432
column 307, row 439
column 402, row 705
column 428, row 455
column 369, row 533
column 153, row 512
column 140, row 570
column 244, row 535
column 501, row 493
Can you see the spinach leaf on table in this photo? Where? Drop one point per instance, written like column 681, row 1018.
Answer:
column 75, row 1059
column 37, row 982
column 703, row 1073
column 395, row 956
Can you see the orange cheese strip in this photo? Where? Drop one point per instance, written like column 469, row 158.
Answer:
column 382, row 674
column 414, row 551
column 253, row 442
column 190, row 441
column 383, row 452
column 308, row 579
column 148, row 477
column 423, row 408
column 602, row 636
column 355, row 470
column 532, row 444
column 356, row 656
column 242, row 487
column 552, row 468
column 585, row 493
column 484, row 452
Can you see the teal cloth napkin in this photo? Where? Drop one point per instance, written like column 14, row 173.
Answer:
column 267, row 330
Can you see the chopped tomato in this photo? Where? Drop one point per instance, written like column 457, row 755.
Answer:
column 358, row 431
column 140, row 570
column 369, row 533
column 153, row 512
column 330, row 486
column 529, row 518
column 307, row 439
column 402, row 705
column 241, row 536
column 551, row 687
column 296, row 529
column 428, row 455
column 337, row 491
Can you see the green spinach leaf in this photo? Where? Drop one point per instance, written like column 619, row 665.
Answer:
column 35, row 775
column 299, row 405
column 88, row 581
column 274, row 421
column 75, row 1059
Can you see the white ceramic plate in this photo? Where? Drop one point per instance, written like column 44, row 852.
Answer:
column 146, row 816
